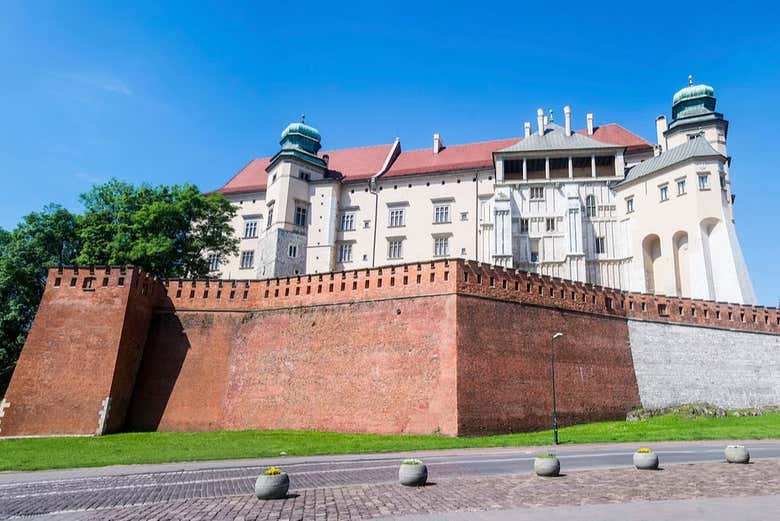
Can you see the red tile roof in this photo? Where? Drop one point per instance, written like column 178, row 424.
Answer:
column 357, row 163
column 615, row 134
column 251, row 178
column 457, row 157
column 354, row 164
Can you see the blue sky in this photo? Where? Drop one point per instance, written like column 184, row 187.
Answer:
column 169, row 92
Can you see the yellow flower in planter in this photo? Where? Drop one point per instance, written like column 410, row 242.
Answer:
column 644, row 450
column 272, row 471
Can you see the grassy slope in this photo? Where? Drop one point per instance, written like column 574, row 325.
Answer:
column 159, row 447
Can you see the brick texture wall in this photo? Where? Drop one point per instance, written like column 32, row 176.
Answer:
column 504, row 367
column 448, row 346
column 378, row 366
column 83, row 347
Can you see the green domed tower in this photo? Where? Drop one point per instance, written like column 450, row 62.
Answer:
column 693, row 100
column 694, row 105
column 693, row 114
column 302, row 141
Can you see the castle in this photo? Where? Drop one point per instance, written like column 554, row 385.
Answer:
column 599, row 205
column 373, row 312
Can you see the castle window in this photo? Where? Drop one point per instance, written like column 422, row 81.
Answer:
column 441, row 214
column 704, row 181
column 397, row 217
column 347, row 223
column 681, row 186
column 300, row 215
column 464, row 216
column 292, row 250
column 549, row 224
column 247, row 259
column 270, row 215
column 213, row 260
column 590, row 206
column 537, row 192
column 663, row 192
column 601, row 245
column 534, row 250
column 395, row 249
column 441, row 246
column 629, row 205
column 250, row 229
column 345, row 252
column 367, row 224
column 523, row 225
column 306, row 176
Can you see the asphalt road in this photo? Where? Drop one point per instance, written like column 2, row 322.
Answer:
column 33, row 493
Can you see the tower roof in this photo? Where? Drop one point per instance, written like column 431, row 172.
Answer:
column 693, row 100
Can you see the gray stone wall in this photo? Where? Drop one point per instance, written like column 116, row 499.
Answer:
column 677, row 364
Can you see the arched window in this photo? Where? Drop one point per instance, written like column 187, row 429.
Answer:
column 590, row 206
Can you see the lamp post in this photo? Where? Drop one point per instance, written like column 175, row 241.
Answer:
column 552, row 370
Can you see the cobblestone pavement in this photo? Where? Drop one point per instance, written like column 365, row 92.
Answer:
column 342, row 501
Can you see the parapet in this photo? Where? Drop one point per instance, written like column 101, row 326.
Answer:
column 419, row 279
column 95, row 278
column 495, row 282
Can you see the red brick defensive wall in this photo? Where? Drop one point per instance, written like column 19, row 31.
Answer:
column 449, row 347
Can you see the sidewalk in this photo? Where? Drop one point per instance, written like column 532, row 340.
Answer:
column 708, row 509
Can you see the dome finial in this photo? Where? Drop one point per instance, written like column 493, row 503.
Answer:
column 551, row 115
column 690, row 79
column 303, row 118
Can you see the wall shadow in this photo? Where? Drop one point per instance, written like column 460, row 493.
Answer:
column 162, row 362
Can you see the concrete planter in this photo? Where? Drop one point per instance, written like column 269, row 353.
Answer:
column 737, row 454
column 412, row 474
column 646, row 460
column 272, row 487
column 547, row 466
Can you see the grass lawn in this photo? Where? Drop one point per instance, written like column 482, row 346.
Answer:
column 160, row 447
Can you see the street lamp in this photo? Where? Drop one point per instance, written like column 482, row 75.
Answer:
column 552, row 370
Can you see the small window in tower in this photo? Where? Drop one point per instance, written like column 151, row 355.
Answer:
column 629, row 205
column 681, row 186
column 292, row 250
column 663, row 192
column 549, row 224
column 537, row 192
column 704, row 181
column 300, row 215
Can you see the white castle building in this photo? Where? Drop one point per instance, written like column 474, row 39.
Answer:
column 599, row 205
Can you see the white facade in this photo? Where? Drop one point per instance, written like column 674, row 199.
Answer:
column 600, row 205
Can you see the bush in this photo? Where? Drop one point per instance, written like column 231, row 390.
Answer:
column 412, row 461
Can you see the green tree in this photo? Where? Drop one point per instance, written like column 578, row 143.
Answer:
column 166, row 230
column 41, row 240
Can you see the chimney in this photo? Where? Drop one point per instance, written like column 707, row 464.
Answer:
column 438, row 145
column 540, row 121
column 567, row 118
column 590, row 123
column 527, row 129
column 660, row 128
